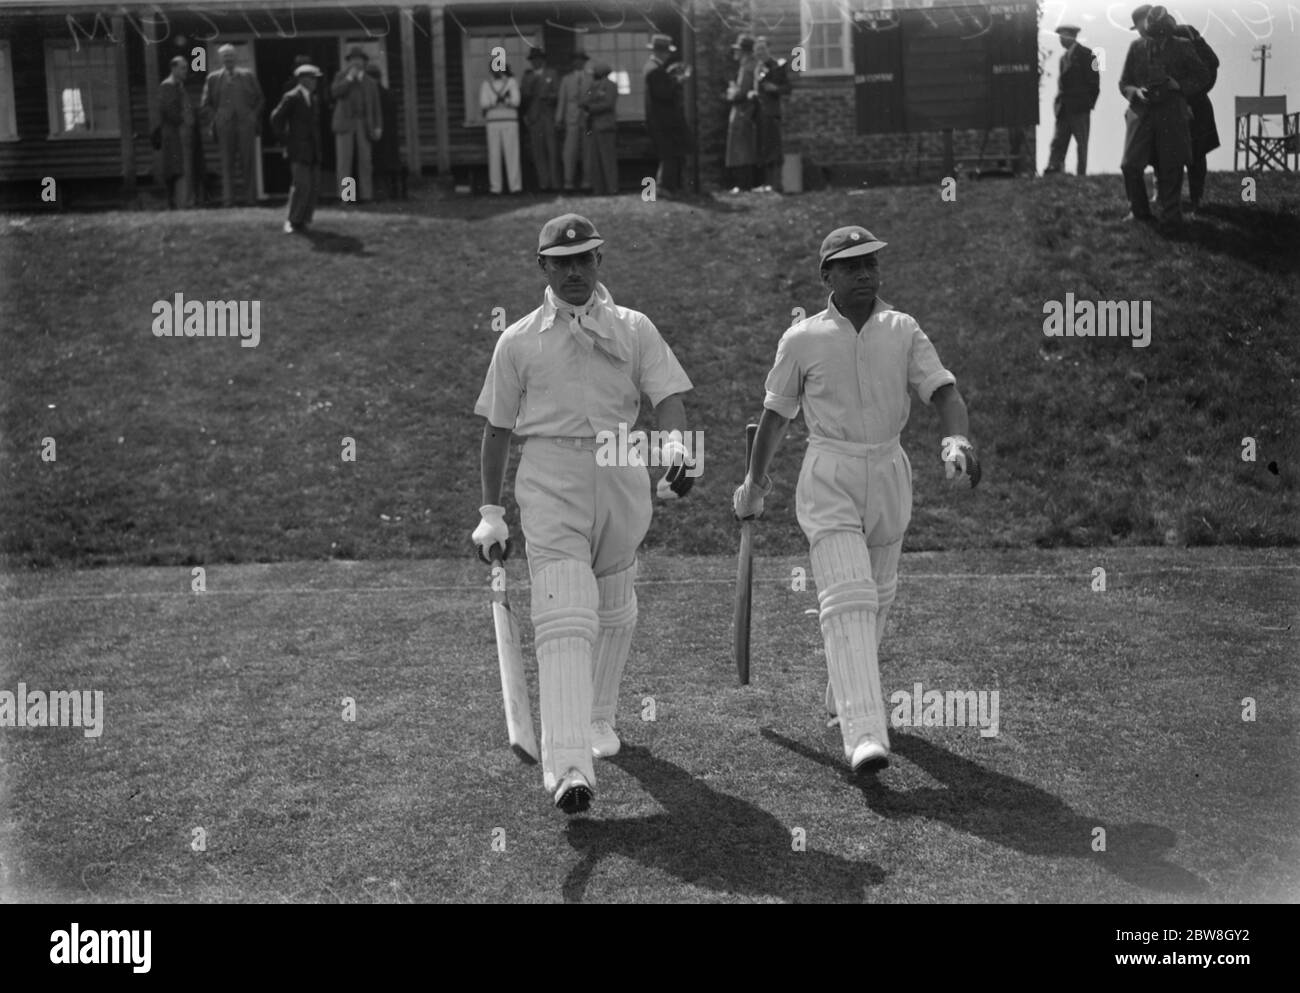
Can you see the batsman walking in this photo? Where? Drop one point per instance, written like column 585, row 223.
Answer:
column 560, row 378
column 850, row 367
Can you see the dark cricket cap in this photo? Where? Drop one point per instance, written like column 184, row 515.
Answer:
column 1139, row 15
column 845, row 243
column 568, row 234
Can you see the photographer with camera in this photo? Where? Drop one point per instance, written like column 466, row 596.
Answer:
column 1160, row 73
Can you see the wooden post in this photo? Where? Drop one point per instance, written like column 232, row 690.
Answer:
column 442, row 127
column 410, row 92
column 125, row 122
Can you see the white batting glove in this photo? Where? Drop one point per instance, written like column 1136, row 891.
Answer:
column 959, row 461
column 747, row 501
column 491, row 531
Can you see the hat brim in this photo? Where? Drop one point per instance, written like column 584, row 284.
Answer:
column 578, row 249
column 866, row 248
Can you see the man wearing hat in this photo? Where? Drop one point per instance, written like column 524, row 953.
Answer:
column 665, row 113
column 850, row 368
column 1160, row 73
column 357, row 121
column 742, row 124
column 296, row 120
column 1205, row 133
column 232, row 106
column 570, row 119
column 182, row 147
column 540, row 92
column 572, row 370
column 1078, row 87
column 600, row 102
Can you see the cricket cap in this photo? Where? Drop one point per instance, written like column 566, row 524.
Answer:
column 844, row 243
column 568, row 234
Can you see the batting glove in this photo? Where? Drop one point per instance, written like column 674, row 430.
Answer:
column 678, row 480
column 747, row 503
column 491, row 531
column 959, row 461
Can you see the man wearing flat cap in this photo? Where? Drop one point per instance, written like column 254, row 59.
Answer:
column 1078, row 87
column 232, row 107
column 358, row 120
column 567, row 378
column 665, row 113
column 296, row 120
column 1161, row 72
column 540, row 93
column 850, row 368
column 570, row 119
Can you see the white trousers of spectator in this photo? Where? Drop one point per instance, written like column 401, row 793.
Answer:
column 503, row 140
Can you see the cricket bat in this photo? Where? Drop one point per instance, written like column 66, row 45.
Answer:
column 514, row 687
column 744, row 579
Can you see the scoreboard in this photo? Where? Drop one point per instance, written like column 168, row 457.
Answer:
column 973, row 66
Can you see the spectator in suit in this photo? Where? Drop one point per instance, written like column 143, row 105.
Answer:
column 499, row 99
column 232, row 107
column 1160, row 74
column 357, row 123
column 540, row 93
column 600, row 102
column 1077, row 90
column 387, row 158
column 182, row 147
column 296, row 120
column 569, row 118
column 742, row 125
column 1205, row 133
column 665, row 113
column 771, row 83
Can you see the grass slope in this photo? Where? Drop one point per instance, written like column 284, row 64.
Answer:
column 1119, row 710
column 190, row 451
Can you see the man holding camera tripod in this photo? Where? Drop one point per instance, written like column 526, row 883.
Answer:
column 1161, row 72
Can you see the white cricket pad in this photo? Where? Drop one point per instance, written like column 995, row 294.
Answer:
column 565, row 626
column 847, row 594
column 617, row 614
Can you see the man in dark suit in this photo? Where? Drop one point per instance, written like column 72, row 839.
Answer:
column 540, row 93
column 1160, row 74
column 1076, row 95
column 178, row 123
column 232, row 106
column 296, row 120
column 357, row 122
column 665, row 115
column 1205, row 133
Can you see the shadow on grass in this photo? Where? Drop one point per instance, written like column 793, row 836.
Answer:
column 1012, row 814
column 1266, row 239
column 335, row 243
column 712, row 840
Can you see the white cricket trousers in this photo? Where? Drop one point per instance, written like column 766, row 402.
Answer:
column 503, row 140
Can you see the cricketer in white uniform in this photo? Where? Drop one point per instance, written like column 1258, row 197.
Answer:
column 574, row 367
column 850, row 368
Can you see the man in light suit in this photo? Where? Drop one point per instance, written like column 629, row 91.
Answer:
column 570, row 118
column 232, row 107
column 297, row 121
column 358, row 121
